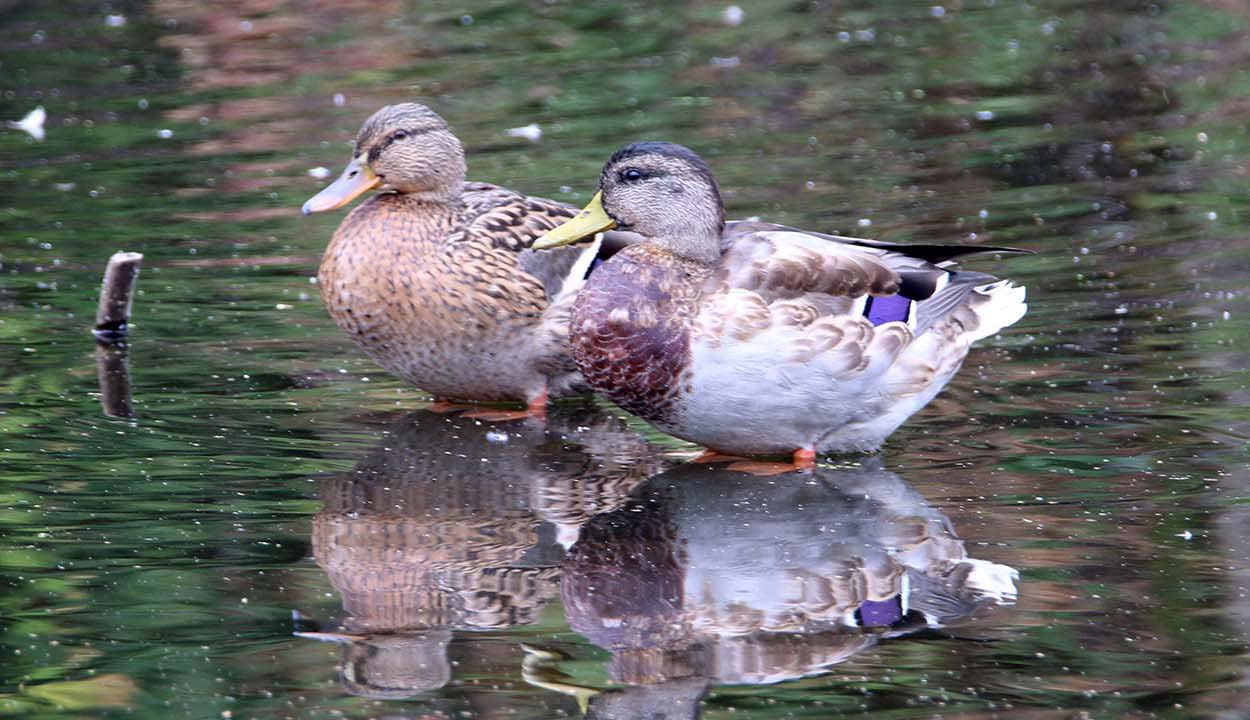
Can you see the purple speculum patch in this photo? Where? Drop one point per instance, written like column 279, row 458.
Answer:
column 892, row 308
column 881, row 613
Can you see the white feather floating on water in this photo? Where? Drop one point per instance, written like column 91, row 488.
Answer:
column 32, row 124
column 530, row 132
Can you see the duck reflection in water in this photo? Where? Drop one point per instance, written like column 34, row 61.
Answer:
column 709, row 576
column 453, row 523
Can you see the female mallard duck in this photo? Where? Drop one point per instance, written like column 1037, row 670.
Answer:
column 759, row 339
column 433, row 279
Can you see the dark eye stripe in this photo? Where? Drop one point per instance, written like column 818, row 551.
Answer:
column 399, row 134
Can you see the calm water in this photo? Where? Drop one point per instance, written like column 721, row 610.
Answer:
column 284, row 531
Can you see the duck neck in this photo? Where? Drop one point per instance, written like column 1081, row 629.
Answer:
column 700, row 247
column 435, row 196
column 440, row 185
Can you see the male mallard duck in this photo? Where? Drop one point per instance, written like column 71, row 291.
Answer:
column 433, row 278
column 759, row 339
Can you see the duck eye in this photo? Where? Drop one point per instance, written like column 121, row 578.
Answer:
column 399, row 134
column 631, row 175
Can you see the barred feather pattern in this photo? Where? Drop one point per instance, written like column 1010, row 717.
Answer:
column 439, row 294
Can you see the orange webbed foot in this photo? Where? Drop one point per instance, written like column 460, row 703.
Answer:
column 711, row 456
column 804, row 459
column 536, row 408
column 441, row 406
column 496, row 414
column 762, row 468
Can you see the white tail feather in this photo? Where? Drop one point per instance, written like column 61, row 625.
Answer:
column 1003, row 306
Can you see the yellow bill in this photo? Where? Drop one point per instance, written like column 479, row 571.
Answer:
column 356, row 179
column 592, row 219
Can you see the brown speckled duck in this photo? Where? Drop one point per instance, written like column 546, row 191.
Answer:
column 759, row 339
column 433, row 277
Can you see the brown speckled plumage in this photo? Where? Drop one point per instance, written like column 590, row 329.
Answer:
column 417, row 541
column 434, row 294
column 433, row 278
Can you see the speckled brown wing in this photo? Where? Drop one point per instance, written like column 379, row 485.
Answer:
column 508, row 220
column 779, row 263
column 822, row 273
column 512, row 220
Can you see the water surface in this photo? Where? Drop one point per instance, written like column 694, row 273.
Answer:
column 283, row 530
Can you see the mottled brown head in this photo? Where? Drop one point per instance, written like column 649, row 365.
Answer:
column 667, row 193
column 405, row 147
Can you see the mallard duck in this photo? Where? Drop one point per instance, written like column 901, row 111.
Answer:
column 432, row 277
column 417, row 541
column 708, row 574
column 759, row 339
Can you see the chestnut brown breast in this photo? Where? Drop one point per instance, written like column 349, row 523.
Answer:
column 631, row 328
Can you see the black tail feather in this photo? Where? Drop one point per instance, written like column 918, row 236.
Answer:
column 932, row 252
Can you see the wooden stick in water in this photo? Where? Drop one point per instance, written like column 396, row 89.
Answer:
column 112, row 321
column 116, row 295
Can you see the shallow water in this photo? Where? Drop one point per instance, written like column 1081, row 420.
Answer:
column 1063, row 531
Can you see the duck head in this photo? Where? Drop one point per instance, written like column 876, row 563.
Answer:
column 407, row 148
column 662, row 191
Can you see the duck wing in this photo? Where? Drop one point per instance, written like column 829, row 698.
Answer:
column 822, row 275
column 511, row 222
column 931, row 252
column 781, row 263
